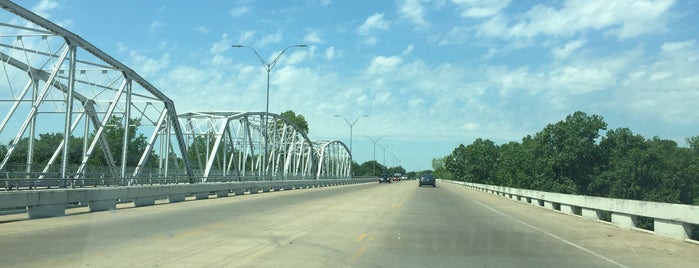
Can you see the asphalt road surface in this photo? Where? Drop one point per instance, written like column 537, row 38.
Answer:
column 366, row 225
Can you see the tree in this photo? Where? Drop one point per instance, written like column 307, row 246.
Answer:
column 440, row 170
column 114, row 133
column 566, row 153
column 297, row 119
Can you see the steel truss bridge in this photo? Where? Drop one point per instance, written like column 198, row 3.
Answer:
column 74, row 112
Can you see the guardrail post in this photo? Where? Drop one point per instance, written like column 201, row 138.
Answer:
column 624, row 220
column 102, row 205
column 672, row 229
column 592, row 214
column 201, row 195
column 568, row 209
column 174, row 198
column 222, row 193
column 46, row 211
column 144, row 201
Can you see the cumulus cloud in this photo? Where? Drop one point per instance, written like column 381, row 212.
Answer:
column 481, row 8
column 568, row 48
column 413, row 11
column 621, row 18
column 238, row 11
column 271, row 38
column 371, row 26
column 313, row 37
column 382, row 64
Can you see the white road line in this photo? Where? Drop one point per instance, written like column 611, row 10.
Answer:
column 554, row 236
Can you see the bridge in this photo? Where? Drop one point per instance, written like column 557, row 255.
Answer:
column 75, row 115
column 91, row 139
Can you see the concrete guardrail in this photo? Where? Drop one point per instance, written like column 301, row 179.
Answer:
column 52, row 203
column 669, row 220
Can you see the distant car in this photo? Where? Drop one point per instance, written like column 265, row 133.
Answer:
column 427, row 179
column 384, row 178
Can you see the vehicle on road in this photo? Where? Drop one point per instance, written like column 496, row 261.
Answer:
column 427, row 179
column 384, row 178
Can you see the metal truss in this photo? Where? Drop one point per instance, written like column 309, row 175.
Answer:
column 73, row 111
column 334, row 159
column 230, row 146
column 53, row 81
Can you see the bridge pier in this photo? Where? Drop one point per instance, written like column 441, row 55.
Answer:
column 46, row 211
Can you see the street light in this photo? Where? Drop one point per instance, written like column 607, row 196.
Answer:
column 350, row 126
column 384, row 153
column 268, row 67
column 373, row 172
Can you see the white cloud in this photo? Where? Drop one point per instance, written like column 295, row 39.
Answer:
column 371, row 25
column 330, row 53
column 271, row 38
column 238, row 11
column 202, row 29
column 154, row 26
column 148, row 66
column 313, row 37
column 381, row 64
column 413, row 11
column 568, row 48
column 246, row 37
column 620, row 18
column 44, row 7
column 481, row 8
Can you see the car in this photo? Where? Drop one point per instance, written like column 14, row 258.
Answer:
column 384, row 178
column 427, row 179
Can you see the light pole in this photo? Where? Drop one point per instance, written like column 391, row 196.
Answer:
column 351, row 125
column 268, row 67
column 373, row 172
column 384, row 153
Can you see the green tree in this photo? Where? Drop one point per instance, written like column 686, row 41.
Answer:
column 297, row 119
column 440, row 170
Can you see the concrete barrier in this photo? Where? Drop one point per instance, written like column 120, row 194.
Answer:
column 53, row 202
column 669, row 220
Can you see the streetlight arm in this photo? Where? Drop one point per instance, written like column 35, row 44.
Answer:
column 274, row 62
column 348, row 123
column 262, row 60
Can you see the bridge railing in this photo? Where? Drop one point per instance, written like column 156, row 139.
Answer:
column 674, row 221
column 53, row 202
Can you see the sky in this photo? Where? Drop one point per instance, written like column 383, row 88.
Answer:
column 430, row 74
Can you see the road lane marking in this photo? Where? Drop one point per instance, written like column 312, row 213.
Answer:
column 361, row 237
column 364, row 246
column 553, row 236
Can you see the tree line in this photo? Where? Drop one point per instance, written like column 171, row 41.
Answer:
column 572, row 157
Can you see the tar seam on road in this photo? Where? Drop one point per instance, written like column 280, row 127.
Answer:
column 554, row 236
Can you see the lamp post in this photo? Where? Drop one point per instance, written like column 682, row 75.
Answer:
column 384, row 153
column 268, row 67
column 373, row 172
column 351, row 125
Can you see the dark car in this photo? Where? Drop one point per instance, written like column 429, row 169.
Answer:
column 427, row 179
column 384, row 178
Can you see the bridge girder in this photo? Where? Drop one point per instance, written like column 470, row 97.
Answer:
column 45, row 70
column 114, row 123
column 229, row 146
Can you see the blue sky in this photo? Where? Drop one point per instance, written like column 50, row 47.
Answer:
column 431, row 74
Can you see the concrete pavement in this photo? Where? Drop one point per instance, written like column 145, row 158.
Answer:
column 366, row 225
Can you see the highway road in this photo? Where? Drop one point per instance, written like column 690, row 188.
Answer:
column 365, row 225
